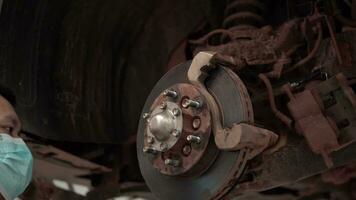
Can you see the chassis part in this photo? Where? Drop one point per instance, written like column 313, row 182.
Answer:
column 271, row 55
column 242, row 140
column 225, row 168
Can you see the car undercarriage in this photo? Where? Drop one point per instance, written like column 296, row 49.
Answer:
column 201, row 100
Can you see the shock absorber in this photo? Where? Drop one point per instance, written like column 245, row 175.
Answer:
column 243, row 14
column 238, row 15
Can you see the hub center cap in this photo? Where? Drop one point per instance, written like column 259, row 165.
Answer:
column 177, row 131
column 164, row 127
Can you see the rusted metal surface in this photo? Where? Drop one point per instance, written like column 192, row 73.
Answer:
column 252, row 46
column 245, row 18
column 333, row 40
column 292, row 163
column 313, row 52
column 248, row 140
column 348, row 91
column 83, row 75
column 272, row 54
column 52, row 165
column 326, row 130
column 294, row 157
column 336, row 96
column 346, row 54
column 233, row 176
column 339, row 15
column 319, row 130
column 340, row 175
column 232, row 105
column 247, row 52
column 239, row 136
column 189, row 154
column 50, row 152
column 286, row 120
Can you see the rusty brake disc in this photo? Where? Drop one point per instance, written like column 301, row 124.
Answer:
column 211, row 172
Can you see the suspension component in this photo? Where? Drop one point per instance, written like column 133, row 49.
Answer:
column 242, row 14
column 173, row 134
column 215, row 137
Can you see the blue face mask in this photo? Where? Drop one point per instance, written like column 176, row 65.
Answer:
column 15, row 166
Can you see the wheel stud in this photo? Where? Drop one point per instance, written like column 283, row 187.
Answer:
column 193, row 139
column 171, row 162
column 191, row 103
column 170, row 93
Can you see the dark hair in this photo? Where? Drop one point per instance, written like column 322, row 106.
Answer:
column 8, row 95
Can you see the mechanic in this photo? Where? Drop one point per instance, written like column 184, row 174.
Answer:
column 15, row 157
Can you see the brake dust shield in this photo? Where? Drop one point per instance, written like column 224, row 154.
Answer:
column 210, row 173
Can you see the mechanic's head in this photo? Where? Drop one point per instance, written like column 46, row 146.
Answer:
column 15, row 158
column 9, row 121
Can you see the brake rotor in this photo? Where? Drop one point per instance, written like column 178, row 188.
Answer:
column 176, row 150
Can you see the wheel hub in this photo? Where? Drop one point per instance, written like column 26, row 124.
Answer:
column 178, row 131
column 164, row 127
column 191, row 166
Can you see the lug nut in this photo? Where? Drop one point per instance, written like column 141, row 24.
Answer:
column 176, row 133
column 171, row 162
column 149, row 150
column 176, row 112
column 170, row 93
column 146, row 115
column 191, row 103
column 193, row 139
column 196, row 123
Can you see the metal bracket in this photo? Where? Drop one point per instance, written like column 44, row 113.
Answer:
column 239, row 136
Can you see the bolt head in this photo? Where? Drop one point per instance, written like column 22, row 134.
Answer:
column 176, row 133
column 176, row 112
